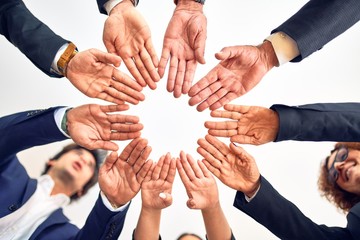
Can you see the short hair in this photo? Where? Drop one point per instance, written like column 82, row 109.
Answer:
column 99, row 156
column 188, row 234
column 342, row 199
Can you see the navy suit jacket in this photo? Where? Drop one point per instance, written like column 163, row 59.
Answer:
column 25, row 130
column 33, row 38
column 286, row 221
column 338, row 122
column 318, row 22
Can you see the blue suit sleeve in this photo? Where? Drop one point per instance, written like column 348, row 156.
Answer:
column 283, row 218
column 101, row 6
column 338, row 122
column 318, row 22
column 33, row 38
column 27, row 129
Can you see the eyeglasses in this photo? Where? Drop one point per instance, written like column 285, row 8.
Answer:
column 340, row 156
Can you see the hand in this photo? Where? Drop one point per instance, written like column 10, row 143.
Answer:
column 127, row 34
column 92, row 73
column 232, row 166
column 252, row 125
column 241, row 68
column 184, row 44
column 200, row 185
column 157, row 185
column 91, row 127
column 120, row 177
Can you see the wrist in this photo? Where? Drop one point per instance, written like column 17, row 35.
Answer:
column 121, row 7
column 268, row 54
column 253, row 190
column 188, row 5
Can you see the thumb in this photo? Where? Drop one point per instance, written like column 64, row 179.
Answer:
column 191, row 203
column 166, row 197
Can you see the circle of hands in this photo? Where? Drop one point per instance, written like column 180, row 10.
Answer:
column 95, row 74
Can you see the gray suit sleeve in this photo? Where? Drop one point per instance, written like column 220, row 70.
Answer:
column 338, row 122
column 33, row 38
column 318, row 22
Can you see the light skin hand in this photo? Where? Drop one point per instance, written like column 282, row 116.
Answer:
column 159, row 179
column 231, row 165
column 120, row 177
column 93, row 73
column 252, row 124
column 127, row 34
column 92, row 127
column 240, row 69
column 199, row 183
column 184, row 45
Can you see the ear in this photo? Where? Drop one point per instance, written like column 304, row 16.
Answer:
column 50, row 163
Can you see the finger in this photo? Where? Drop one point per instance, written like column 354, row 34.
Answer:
column 106, row 145
column 186, row 166
column 148, row 55
column 172, row 171
column 110, row 160
column 147, row 178
column 126, row 81
column 144, row 72
column 158, row 169
column 226, row 114
column 222, row 133
column 121, row 118
column 205, row 96
column 237, row 108
column 195, row 168
column 126, row 128
column 142, row 174
column 130, row 64
column 189, row 76
column 224, row 100
column 220, row 146
column 213, row 161
column 113, row 108
column 179, row 79
column 226, row 53
column 203, row 83
column 172, row 74
column 120, row 136
column 204, row 169
column 212, row 169
column 105, row 57
column 211, row 148
column 184, row 178
column 163, row 61
column 226, row 125
column 108, row 97
column 217, row 93
column 141, row 159
column 125, row 154
column 200, row 47
column 166, row 166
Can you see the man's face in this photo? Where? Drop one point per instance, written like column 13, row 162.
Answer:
column 348, row 171
column 74, row 168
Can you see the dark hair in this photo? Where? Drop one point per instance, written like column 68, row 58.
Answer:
column 342, row 199
column 188, row 234
column 99, row 156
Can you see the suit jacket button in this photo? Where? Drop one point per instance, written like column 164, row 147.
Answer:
column 13, row 207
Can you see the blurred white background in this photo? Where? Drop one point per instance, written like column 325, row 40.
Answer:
column 329, row 75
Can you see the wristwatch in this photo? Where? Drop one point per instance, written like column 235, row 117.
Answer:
column 65, row 58
column 198, row 1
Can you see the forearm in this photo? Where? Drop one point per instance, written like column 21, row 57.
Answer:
column 312, row 33
column 33, row 38
column 319, row 122
column 148, row 226
column 216, row 225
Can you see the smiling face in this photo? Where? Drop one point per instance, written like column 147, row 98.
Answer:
column 73, row 169
column 348, row 170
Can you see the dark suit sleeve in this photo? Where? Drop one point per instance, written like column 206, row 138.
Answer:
column 33, row 38
column 24, row 130
column 101, row 6
column 318, row 22
column 283, row 218
column 319, row 122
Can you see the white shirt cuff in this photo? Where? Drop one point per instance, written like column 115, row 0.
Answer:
column 109, row 5
column 54, row 67
column 284, row 46
column 109, row 206
column 248, row 199
column 58, row 116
